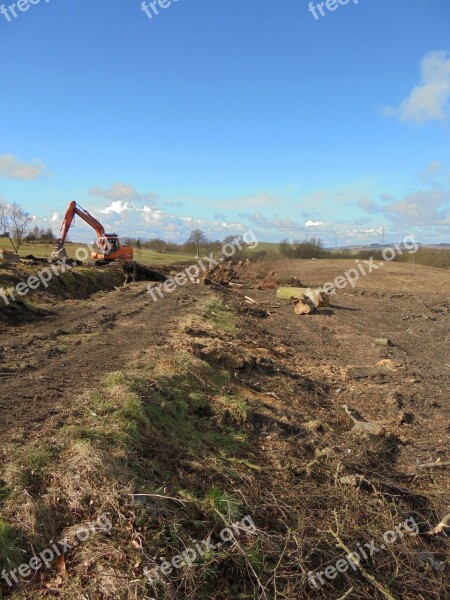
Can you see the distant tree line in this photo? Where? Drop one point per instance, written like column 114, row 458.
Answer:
column 39, row 234
column 313, row 248
column 197, row 243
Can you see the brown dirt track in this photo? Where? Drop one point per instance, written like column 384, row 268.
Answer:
column 46, row 363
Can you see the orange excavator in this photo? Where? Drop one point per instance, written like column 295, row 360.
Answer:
column 109, row 246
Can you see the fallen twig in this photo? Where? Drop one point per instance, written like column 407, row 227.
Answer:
column 347, row 594
column 444, row 524
column 433, row 465
column 158, row 496
column 380, row 587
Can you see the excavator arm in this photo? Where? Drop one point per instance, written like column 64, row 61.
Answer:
column 72, row 211
column 110, row 247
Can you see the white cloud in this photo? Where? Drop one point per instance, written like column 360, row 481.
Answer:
column 422, row 208
column 122, row 192
column 12, row 168
column 311, row 223
column 115, row 207
column 147, row 221
column 429, row 100
column 371, row 231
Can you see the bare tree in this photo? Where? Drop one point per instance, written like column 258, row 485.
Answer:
column 14, row 222
column 3, row 219
column 287, row 249
column 19, row 220
column 5, row 223
column 236, row 240
column 197, row 238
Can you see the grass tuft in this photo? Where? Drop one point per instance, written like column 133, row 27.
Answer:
column 10, row 553
column 220, row 316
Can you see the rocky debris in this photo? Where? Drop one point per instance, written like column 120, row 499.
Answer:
column 361, row 428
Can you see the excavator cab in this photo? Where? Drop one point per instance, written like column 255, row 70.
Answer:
column 103, row 248
column 109, row 248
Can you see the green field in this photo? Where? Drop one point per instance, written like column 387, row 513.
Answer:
column 143, row 255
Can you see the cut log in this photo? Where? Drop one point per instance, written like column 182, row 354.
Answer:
column 318, row 297
column 303, row 306
column 383, row 342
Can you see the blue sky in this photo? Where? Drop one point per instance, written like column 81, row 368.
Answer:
column 230, row 115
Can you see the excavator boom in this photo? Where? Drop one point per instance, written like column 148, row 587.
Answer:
column 73, row 210
column 109, row 245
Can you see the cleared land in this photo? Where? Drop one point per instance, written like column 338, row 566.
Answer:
column 180, row 417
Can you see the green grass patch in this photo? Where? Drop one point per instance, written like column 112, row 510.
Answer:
column 223, row 503
column 220, row 316
column 114, row 379
column 10, row 553
column 232, row 407
column 178, row 402
column 4, row 491
column 37, row 459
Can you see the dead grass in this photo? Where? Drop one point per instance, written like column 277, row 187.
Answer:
column 174, row 451
column 431, row 257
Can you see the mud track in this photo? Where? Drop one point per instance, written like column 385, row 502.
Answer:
column 45, row 364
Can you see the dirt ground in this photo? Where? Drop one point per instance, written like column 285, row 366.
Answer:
column 44, row 363
column 331, row 355
column 409, row 305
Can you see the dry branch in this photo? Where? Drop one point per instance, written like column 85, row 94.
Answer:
column 434, row 465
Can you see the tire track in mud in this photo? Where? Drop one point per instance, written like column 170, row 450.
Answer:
column 45, row 365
